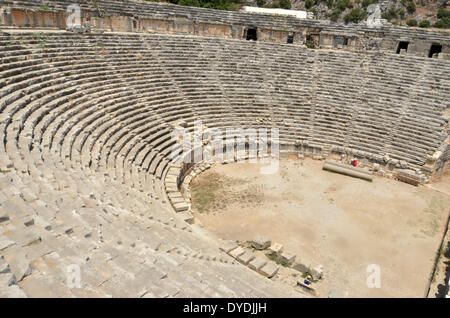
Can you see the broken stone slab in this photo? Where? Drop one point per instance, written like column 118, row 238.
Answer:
column 317, row 272
column 276, row 248
column 187, row 217
column 257, row 263
column 269, row 270
column 227, row 246
column 180, row 207
column 300, row 267
column 261, row 242
column 246, row 257
column 238, row 251
column 287, row 258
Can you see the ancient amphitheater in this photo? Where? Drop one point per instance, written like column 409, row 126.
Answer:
column 89, row 181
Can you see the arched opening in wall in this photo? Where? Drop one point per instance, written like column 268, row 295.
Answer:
column 134, row 24
column 435, row 49
column 402, row 45
column 290, row 38
column 251, row 34
column 345, row 41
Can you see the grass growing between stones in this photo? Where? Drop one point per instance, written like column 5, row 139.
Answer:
column 275, row 258
column 211, row 192
column 208, row 193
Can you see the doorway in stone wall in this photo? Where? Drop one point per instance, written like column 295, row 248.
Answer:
column 402, row 45
column 251, row 34
column 435, row 49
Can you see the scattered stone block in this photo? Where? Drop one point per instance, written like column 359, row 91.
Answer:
column 269, row 270
column 257, row 263
column 238, row 251
column 246, row 257
column 276, row 248
column 227, row 246
column 300, row 267
column 187, row 217
column 317, row 272
column 261, row 242
column 287, row 258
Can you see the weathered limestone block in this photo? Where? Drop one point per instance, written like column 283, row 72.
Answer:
column 301, row 267
column 276, row 248
column 257, row 263
column 269, row 270
column 227, row 246
column 287, row 257
column 236, row 252
column 261, row 242
column 317, row 272
column 246, row 257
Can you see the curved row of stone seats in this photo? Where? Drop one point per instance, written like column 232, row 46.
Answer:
column 200, row 91
column 88, row 118
column 123, row 244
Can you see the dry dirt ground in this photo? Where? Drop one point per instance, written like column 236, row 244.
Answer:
column 341, row 222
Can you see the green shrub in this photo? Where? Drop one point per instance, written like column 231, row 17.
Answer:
column 285, row 4
column 330, row 4
column 355, row 16
column 309, row 4
column 411, row 7
column 343, row 4
column 335, row 15
column 261, row 3
column 366, row 3
column 442, row 13
column 412, row 22
column 191, row 3
column 424, row 24
column 443, row 23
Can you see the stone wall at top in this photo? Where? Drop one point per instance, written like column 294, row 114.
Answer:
column 133, row 16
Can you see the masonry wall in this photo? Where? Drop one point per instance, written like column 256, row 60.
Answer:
column 329, row 38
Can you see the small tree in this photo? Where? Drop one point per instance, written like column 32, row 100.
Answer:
column 285, row 4
column 309, row 4
column 443, row 23
column 355, row 16
column 424, row 24
column 411, row 7
column 261, row 3
column 442, row 13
